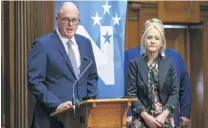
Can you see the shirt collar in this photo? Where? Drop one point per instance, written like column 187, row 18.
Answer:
column 64, row 40
column 145, row 57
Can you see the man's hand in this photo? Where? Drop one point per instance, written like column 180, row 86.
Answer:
column 64, row 105
column 150, row 120
column 162, row 117
column 184, row 122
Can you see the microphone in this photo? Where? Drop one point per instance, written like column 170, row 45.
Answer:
column 74, row 100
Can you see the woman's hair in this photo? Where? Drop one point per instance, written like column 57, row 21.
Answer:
column 153, row 23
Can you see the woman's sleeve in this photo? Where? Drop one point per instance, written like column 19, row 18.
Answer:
column 132, row 90
column 173, row 90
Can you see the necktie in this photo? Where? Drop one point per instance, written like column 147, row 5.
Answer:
column 72, row 58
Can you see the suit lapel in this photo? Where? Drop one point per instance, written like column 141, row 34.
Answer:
column 143, row 70
column 63, row 52
column 163, row 70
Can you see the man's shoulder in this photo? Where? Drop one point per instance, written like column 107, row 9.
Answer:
column 132, row 53
column 171, row 51
column 133, row 50
column 46, row 37
column 174, row 54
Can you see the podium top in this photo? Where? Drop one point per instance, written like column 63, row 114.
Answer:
column 90, row 101
column 108, row 100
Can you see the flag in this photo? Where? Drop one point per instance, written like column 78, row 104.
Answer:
column 103, row 22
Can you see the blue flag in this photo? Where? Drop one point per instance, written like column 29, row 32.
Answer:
column 103, row 22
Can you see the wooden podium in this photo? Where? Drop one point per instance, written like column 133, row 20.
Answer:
column 96, row 113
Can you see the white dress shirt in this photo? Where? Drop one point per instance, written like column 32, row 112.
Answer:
column 74, row 47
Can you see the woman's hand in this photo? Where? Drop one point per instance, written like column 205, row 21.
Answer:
column 150, row 120
column 162, row 117
column 184, row 122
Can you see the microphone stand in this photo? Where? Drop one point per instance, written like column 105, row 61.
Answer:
column 74, row 100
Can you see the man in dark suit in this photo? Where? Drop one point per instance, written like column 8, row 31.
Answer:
column 184, row 108
column 55, row 62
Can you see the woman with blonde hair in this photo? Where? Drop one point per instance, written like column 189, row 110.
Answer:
column 152, row 80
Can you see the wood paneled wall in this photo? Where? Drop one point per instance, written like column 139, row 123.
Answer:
column 22, row 21
column 2, row 64
column 132, row 29
column 183, row 11
column 191, row 42
column 196, row 74
column 199, row 74
column 205, row 69
column 204, row 19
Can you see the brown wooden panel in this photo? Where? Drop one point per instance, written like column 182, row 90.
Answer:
column 28, row 25
column 205, row 67
column 31, row 35
column 179, row 12
column 24, row 21
column 11, row 60
column 48, row 7
column 100, row 118
column 18, row 34
column 197, row 76
column 132, row 24
column 24, row 71
column 2, row 68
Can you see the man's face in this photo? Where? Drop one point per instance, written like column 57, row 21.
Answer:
column 153, row 41
column 67, row 22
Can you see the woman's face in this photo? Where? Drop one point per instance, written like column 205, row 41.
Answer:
column 153, row 41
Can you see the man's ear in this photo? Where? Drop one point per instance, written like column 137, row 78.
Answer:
column 57, row 19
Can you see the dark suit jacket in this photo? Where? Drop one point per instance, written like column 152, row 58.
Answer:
column 182, row 75
column 138, row 79
column 51, row 76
